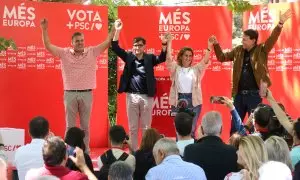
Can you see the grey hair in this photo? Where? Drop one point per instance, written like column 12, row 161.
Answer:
column 212, row 123
column 120, row 170
column 166, row 145
column 47, row 177
column 274, row 170
column 278, row 150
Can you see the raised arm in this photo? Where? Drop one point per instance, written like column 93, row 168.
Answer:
column 280, row 114
column 162, row 56
column 170, row 64
column 100, row 48
column 115, row 43
column 270, row 42
column 222, row 57
column 54, row 50
column 205, row 60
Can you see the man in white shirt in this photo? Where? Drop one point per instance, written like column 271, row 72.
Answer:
column 30, row 155
column 183, row 125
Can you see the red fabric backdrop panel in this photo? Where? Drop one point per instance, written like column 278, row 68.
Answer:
column 284, row 59
column 30, row 78
column 190, row 26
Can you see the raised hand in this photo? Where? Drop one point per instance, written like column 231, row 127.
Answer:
column 228, row 103
column 118, row 24
column 44, row 24
column 166, row 38
column 285, row 16
column 213, row 39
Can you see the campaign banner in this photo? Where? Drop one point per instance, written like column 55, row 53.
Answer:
column 30, row 77
column 284, row 58
column 189, row 26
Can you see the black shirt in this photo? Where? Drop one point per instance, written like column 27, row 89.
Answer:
column 138, row 80
column 247, row 79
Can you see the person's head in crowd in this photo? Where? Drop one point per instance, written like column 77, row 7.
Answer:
column 250, row 37
column 185, row 57
column 120, row 170
column 47, row 177
column 183, row 124
column 252, row 154
column 278, row 150
column 150, row 137
column 39, row 127
column 274, row 170
column 3, row 170
column 296, row 131
column 211, row 124
column 78, row 42
column 54, row 152
column 235, row 139
column 74, row 138
column 117, row 135
column 163, row 148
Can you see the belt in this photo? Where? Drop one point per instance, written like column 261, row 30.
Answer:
column 84, row 90
column 244, row 92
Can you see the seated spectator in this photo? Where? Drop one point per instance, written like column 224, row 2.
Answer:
column 170, row 165
column 251, row 155
column 183, row 125
column 235, row 139
column 144, row 156
column 273, row 170
column 117, row 136
column 55, row 158
column 278, row 150
column 30, row 155
column 3, row 170
column 215, row 157
column 292, row 129
column 74, row 138
column 120, row 170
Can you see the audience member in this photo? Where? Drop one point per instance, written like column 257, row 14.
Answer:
column 251, row 155
column 183, row 125
column 235, row 139
column 170, row 166
column 144, row 156
column 30, row 155
column 120, row 170
column 55, row 158
column 215, row 157
column 273, row 170
column 75, row 138
column 278, row 150
column 118, row 138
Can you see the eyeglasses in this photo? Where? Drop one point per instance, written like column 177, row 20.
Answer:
column 138, row 45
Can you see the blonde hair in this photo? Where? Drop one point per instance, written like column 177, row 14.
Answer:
column 254, row 153
column 278, row 150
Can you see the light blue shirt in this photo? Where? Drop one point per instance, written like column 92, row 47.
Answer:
column 295, row 155
column 174, row 168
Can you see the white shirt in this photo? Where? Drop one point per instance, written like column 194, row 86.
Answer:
column 29, row 156
column 182, row 143
column 185, row 78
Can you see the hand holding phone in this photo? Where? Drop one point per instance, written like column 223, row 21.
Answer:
column 217, row 99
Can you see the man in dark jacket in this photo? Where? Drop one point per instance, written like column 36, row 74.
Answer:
column 138, row 82
column 210, row 153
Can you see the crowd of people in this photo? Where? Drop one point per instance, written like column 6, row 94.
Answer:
column 264, row 147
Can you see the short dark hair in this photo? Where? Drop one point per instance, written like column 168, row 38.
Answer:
column 77, row 34
column 117, row 134
column 120, row 170
column 183, row 123
column 54, row 151
column 39, row 127
column 297, row 128
column 253, row 34
column 138, row 39
column 74, row 137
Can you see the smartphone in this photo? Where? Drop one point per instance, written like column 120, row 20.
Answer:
column 217, row 99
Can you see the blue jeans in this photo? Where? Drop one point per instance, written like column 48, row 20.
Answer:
column 196, row 109
column 245, row 103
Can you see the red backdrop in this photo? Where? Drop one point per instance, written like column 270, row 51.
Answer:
column 284, row 59
column 190, row 26
column 30, row 78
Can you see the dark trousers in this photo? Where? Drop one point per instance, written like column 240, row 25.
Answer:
column 245, row 102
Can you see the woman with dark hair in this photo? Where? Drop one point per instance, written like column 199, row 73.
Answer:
column 186, row 78
column 74, row 138
column 144, row 156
